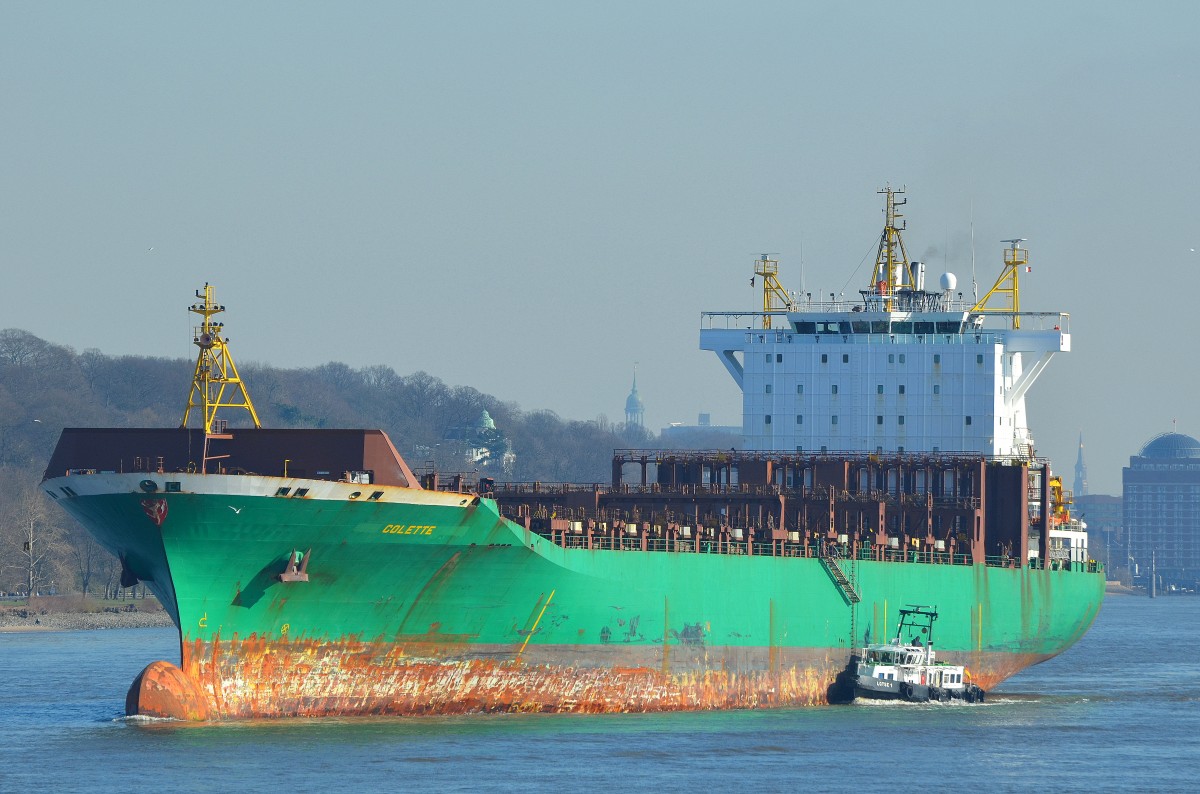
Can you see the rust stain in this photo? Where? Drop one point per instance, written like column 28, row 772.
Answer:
column 255, row 677
column 307, row 678
column 163, row 690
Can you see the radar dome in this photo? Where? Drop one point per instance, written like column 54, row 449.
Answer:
column 949, row 281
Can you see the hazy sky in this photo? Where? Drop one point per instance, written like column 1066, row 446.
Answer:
column 527, row 198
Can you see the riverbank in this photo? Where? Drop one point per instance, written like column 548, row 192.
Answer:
column 73, row 613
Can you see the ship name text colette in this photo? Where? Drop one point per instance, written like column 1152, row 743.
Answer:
column 409, row 529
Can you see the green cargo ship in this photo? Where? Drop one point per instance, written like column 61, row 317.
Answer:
column 311, row 572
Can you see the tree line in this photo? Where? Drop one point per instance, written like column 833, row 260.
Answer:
column 45, row 387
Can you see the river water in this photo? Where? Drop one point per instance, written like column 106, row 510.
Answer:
column 1118, row 711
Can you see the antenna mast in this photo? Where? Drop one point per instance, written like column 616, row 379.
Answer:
column 215, row 382
column 891, row 261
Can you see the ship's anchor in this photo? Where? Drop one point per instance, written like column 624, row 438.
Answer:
column 128, row 577
column 297, row 567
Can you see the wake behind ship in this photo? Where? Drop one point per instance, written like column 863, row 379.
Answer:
column 312, row 572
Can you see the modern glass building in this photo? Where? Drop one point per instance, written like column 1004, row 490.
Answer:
column 1161, row 489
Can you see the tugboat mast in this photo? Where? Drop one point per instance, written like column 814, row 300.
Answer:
column 215, row 382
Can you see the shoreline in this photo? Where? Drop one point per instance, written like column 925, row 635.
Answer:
column 62, row 617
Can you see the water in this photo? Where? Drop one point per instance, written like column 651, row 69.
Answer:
column 1119, row 711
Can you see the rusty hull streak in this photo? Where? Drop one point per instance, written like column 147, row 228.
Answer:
column 993, row 668
column 254, row 677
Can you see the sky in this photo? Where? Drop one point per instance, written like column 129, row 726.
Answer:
column 532, row 197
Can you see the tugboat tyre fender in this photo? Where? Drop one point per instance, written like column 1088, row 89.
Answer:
column 907, row 691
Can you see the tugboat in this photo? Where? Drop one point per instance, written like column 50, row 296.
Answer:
column 905, row 668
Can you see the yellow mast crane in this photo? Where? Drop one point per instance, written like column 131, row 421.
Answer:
column 775, row 297
column 891, row 260
column 215, row 382
column 1008, row 284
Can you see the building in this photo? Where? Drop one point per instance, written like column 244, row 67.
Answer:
column 635, row 409
column 1161, row 489
column 702, row 435
column 1103, row 515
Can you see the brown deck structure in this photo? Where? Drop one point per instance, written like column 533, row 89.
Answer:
column 947, row 508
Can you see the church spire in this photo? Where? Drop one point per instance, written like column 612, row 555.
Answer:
column 1081, row 485
column 635, row 410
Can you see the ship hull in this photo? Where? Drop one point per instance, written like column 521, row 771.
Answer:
column 423, row 602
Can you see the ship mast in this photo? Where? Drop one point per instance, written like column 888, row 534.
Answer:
column 215, row 382
column 775, row 297
column 1015, row 257
column 891, row 260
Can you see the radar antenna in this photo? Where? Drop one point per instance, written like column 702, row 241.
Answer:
column 1007, row 289
column 215, row 382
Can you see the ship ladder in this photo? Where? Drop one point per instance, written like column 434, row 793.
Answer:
column 839, row 578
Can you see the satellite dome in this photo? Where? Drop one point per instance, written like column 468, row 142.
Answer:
column 1171, row 445
column 949, row 281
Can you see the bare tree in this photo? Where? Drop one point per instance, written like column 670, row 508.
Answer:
column 33, row 548
column 88, row 556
